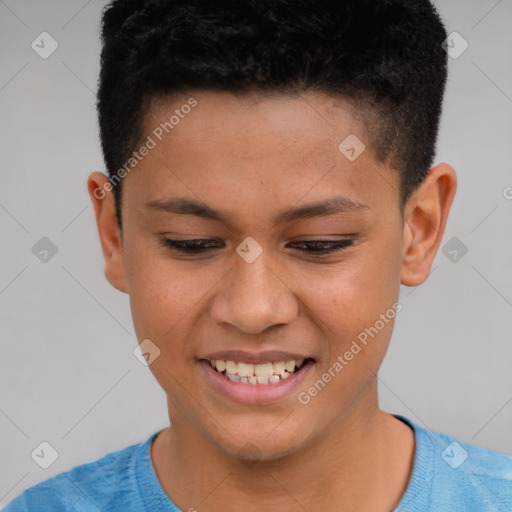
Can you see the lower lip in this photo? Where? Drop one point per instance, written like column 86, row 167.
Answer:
column 255, row 393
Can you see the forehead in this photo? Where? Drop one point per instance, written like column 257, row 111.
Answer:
column 271, row 147
column 307, row 120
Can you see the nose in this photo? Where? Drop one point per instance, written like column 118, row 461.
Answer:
column 253, row 297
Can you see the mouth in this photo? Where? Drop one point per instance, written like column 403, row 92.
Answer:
column 257, row 374
column 259, row 382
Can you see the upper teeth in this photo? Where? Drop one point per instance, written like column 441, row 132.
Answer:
column 279, row 368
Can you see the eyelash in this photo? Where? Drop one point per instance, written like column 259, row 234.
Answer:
column 187, row 246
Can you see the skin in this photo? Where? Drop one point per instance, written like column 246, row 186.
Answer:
column 251, row 156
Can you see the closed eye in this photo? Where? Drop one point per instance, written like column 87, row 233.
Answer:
column 325, row 246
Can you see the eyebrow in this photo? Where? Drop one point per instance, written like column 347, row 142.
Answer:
column 330, row 206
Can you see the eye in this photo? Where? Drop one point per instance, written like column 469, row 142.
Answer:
column 200, row 245
column 191, row 246
column 324, row 246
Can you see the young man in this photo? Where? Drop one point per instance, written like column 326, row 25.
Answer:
column 270, row 189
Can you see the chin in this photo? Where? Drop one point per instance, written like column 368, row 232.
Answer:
column 264, row 444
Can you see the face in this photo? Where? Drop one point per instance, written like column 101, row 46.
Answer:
column 300, row 254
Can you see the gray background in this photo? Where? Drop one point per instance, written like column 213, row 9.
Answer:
column 67, row 372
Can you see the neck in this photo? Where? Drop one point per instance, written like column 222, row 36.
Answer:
column 363, row 462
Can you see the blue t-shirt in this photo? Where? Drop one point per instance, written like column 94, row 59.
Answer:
column 447, row 477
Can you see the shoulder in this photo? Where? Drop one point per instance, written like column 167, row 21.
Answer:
column 464, row 475
column 476, row 471
column 104, row 484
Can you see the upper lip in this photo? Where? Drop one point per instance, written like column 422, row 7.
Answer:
column 241, row 356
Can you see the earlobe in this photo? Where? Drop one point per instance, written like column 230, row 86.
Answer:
column 103, row 201
column 426, row 215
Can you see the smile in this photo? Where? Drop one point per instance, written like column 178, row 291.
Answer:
column 268, row 379
column 263, row 373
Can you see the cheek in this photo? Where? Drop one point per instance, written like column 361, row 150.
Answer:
column 354, row 303
column 160, row 292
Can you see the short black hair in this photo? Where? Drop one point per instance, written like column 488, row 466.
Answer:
column 385, row 55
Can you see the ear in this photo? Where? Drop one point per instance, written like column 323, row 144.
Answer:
column 425, row 217
column 100, row 192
